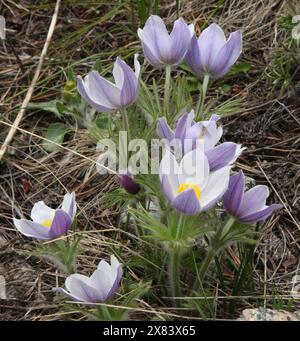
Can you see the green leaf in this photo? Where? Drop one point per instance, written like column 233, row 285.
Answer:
column 71, row 76
column 62, row 254
column 239, row 68
column 98, row 66
column 149, row 222
column 224, row 88
column 228, row 108
column 100, row 127
column 56, row 133
column 46, row 106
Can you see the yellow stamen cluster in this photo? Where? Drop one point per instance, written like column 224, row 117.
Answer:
column 47, row 223
column 188, row 185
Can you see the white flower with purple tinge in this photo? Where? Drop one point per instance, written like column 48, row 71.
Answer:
column 212, row 54
column 160, row 47
column 47, row 223
column 105, row 96
column 204, row 135
column 190, row 186
column 98, row 288
column 250, row 206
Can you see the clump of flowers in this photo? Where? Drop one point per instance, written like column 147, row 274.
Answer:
column 196, row 203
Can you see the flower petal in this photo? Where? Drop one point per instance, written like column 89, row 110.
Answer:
column 80, row 287
column 82, row 88
column 103, row 279
column 40, row 212
column 106, row 278
column 260, row 215
column 169, row 167
column 180, row 40
column 31, row 229
column 152, row 58
column 69, row 295
column 211, row 40
column 192, row 58
column 183, row 124
column 221, row 155
column 234, row 195
column 194, row 168
column 238, row 151
column 60, row 224
column 228, row 55
column 103, row 91
column 69, row 205
column 169, row 186
column 212, row 134
column 214, row 117
column 137, row 66
column 254, row 200
column 118, row 74
column 129, row 90
column 117, row 267
column 156, row 37
column 187, row 202
column 216, row 186
column 194, row 132
column 163, row 129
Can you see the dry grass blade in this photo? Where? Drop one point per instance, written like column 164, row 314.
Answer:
column 30, row 90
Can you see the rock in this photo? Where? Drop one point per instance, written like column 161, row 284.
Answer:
column 262, row 314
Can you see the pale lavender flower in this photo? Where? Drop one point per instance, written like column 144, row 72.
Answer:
column 128, row 183
column 212, row 54
column 47, row 223
column 250, row 206
column 190, row 186
column 105, row 96
column 160, row 47
column 98, row 288
column 189, row 135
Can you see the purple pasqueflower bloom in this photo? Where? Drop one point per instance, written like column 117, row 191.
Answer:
column 190, row 186
column 161, row 48
column 47, row 223
column 212, row 54
column 250, row 206
column 98, row 288
column 105, row 96
column 128, row 183
column 189, row 135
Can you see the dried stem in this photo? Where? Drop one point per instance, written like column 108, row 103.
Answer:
column 29, row 93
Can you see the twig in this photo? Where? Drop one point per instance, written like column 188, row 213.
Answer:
column 29, row 93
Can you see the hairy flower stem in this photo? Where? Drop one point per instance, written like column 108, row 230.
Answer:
column 200, row 105
column 174, row 267
column 125, row 121
column 167, row 90
column 174, row 274
column 104, row 313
